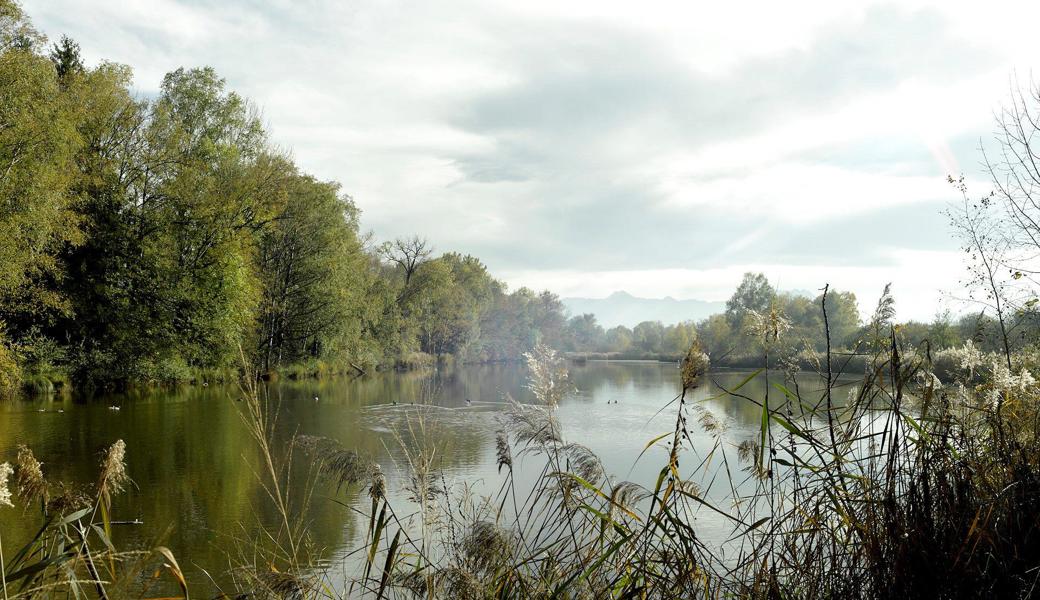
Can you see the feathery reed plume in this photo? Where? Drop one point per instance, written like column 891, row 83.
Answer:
column 968, row 357
column 710, row 423
column 67, row 500
column 549, row 379
column 415, row 581
column 769, row 326
column 582, row 462
column 461, row 584
column 32, row 487
column 747, row 450
column 627, row 493
column 750, row 451
column 334, row 461
column 694, row 366
column 5, row 492
column 113, row 478
column 284, row 586
column 423, row 484
column 886, row 309
column 535, row 427
column 487, row 546
column 503, row 454
column 624, row 496
column 377, row 484
column 689, row 487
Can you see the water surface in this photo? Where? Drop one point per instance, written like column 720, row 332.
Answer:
column 194, row 464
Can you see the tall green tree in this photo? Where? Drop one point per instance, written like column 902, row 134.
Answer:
column 65, row 56
column 584, row 333
column 174, row 193
column 38, row 142
column 648, row 336
column 313, row 276
column 16, row 30
column 753, row 294
column 842, row 316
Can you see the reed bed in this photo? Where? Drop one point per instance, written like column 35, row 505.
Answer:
column 72, row 555
column 903, row 486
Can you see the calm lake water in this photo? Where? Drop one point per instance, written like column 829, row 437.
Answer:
column 194, row 464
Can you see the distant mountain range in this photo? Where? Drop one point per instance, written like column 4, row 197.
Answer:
column 622, row 308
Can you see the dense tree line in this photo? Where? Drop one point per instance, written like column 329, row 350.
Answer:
column 159, row 239
column 725, row 336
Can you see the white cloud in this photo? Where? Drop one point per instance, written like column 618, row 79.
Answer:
column 798, row 192
column 598, row 145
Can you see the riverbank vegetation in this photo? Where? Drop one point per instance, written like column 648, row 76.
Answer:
column 722, row 335
column 154, row 239
column 167, row 239
column 895, row 486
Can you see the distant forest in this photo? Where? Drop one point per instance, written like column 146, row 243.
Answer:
column 724, row 336
column 168, row 239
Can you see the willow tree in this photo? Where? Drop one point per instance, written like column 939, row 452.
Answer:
column 459, row 295
column 313, row 276
column 38, row 140
column 753, row 294
column 172, row 194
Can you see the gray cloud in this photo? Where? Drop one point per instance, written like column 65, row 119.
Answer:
column 589, row 103
column 543, row 142
column 578, row 88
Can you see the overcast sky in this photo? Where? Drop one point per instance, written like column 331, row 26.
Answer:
column 658, row 148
